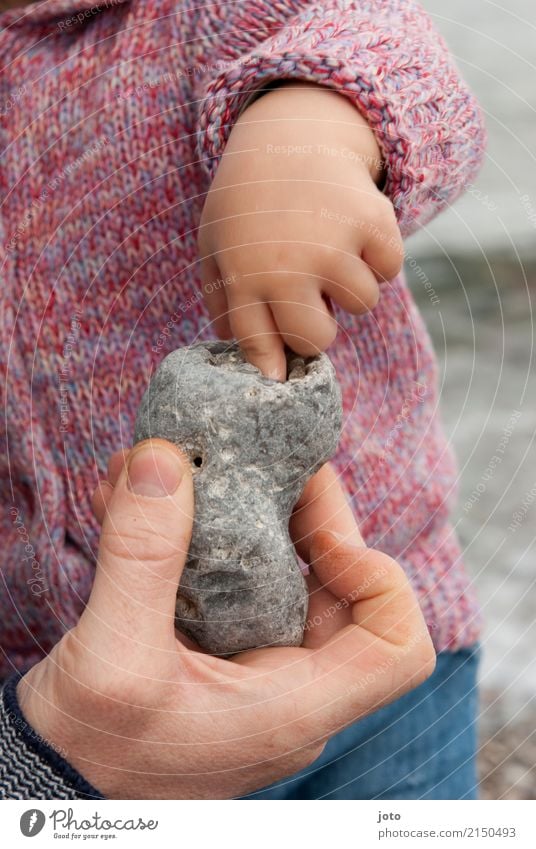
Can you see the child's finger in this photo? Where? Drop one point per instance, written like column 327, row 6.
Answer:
column 305, row 324
column 350, row 283
column 219, row 320
column 253, row 326
column 384, row 251
column 215, row 297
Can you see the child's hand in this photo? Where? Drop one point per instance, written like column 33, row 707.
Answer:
column 293, row 219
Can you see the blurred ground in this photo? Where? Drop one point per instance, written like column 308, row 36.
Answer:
column 508, row 750
column 480, row 258
column 493, row 45
column 481, row 325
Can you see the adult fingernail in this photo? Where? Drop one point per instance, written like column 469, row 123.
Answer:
column 154, row 472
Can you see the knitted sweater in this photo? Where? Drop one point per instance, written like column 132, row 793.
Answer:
column 113, row 118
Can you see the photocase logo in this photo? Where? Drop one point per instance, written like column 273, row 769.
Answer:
column 32, row 822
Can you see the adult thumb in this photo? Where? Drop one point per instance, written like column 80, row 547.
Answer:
column 143, row 547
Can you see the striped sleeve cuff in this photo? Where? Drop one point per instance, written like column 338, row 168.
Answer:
column 30, row 768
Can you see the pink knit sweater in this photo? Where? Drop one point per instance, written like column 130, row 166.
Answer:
column 113, row 118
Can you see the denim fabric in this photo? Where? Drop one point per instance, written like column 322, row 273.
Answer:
column 423, row 746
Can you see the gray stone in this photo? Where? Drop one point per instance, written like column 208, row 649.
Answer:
column 253, row 444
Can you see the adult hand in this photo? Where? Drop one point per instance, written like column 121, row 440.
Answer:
column 142, row 714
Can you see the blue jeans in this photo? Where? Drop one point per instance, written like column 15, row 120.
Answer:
column 423, row 746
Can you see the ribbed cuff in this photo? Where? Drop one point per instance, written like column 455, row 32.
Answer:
column 427, row 124
column 29, row 767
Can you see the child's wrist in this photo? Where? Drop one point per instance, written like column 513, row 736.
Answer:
column 312, row 101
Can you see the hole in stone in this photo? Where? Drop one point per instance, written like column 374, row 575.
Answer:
column 186, row 610
column 198, row 461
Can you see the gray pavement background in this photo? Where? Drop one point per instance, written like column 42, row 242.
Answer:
column 494, row 45
column 480, row 258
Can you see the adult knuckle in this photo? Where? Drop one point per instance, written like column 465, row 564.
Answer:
column 67, row 654
column 296, row 757
column 126, row 691
column 87, row 687
column 389, row 571
column 300, row 759
column 311, row 753
column 139, row 542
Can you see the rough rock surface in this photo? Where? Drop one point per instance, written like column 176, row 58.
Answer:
column 253, row 444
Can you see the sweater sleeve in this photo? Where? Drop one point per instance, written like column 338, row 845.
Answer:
column 384, row 55
column 29, row 767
